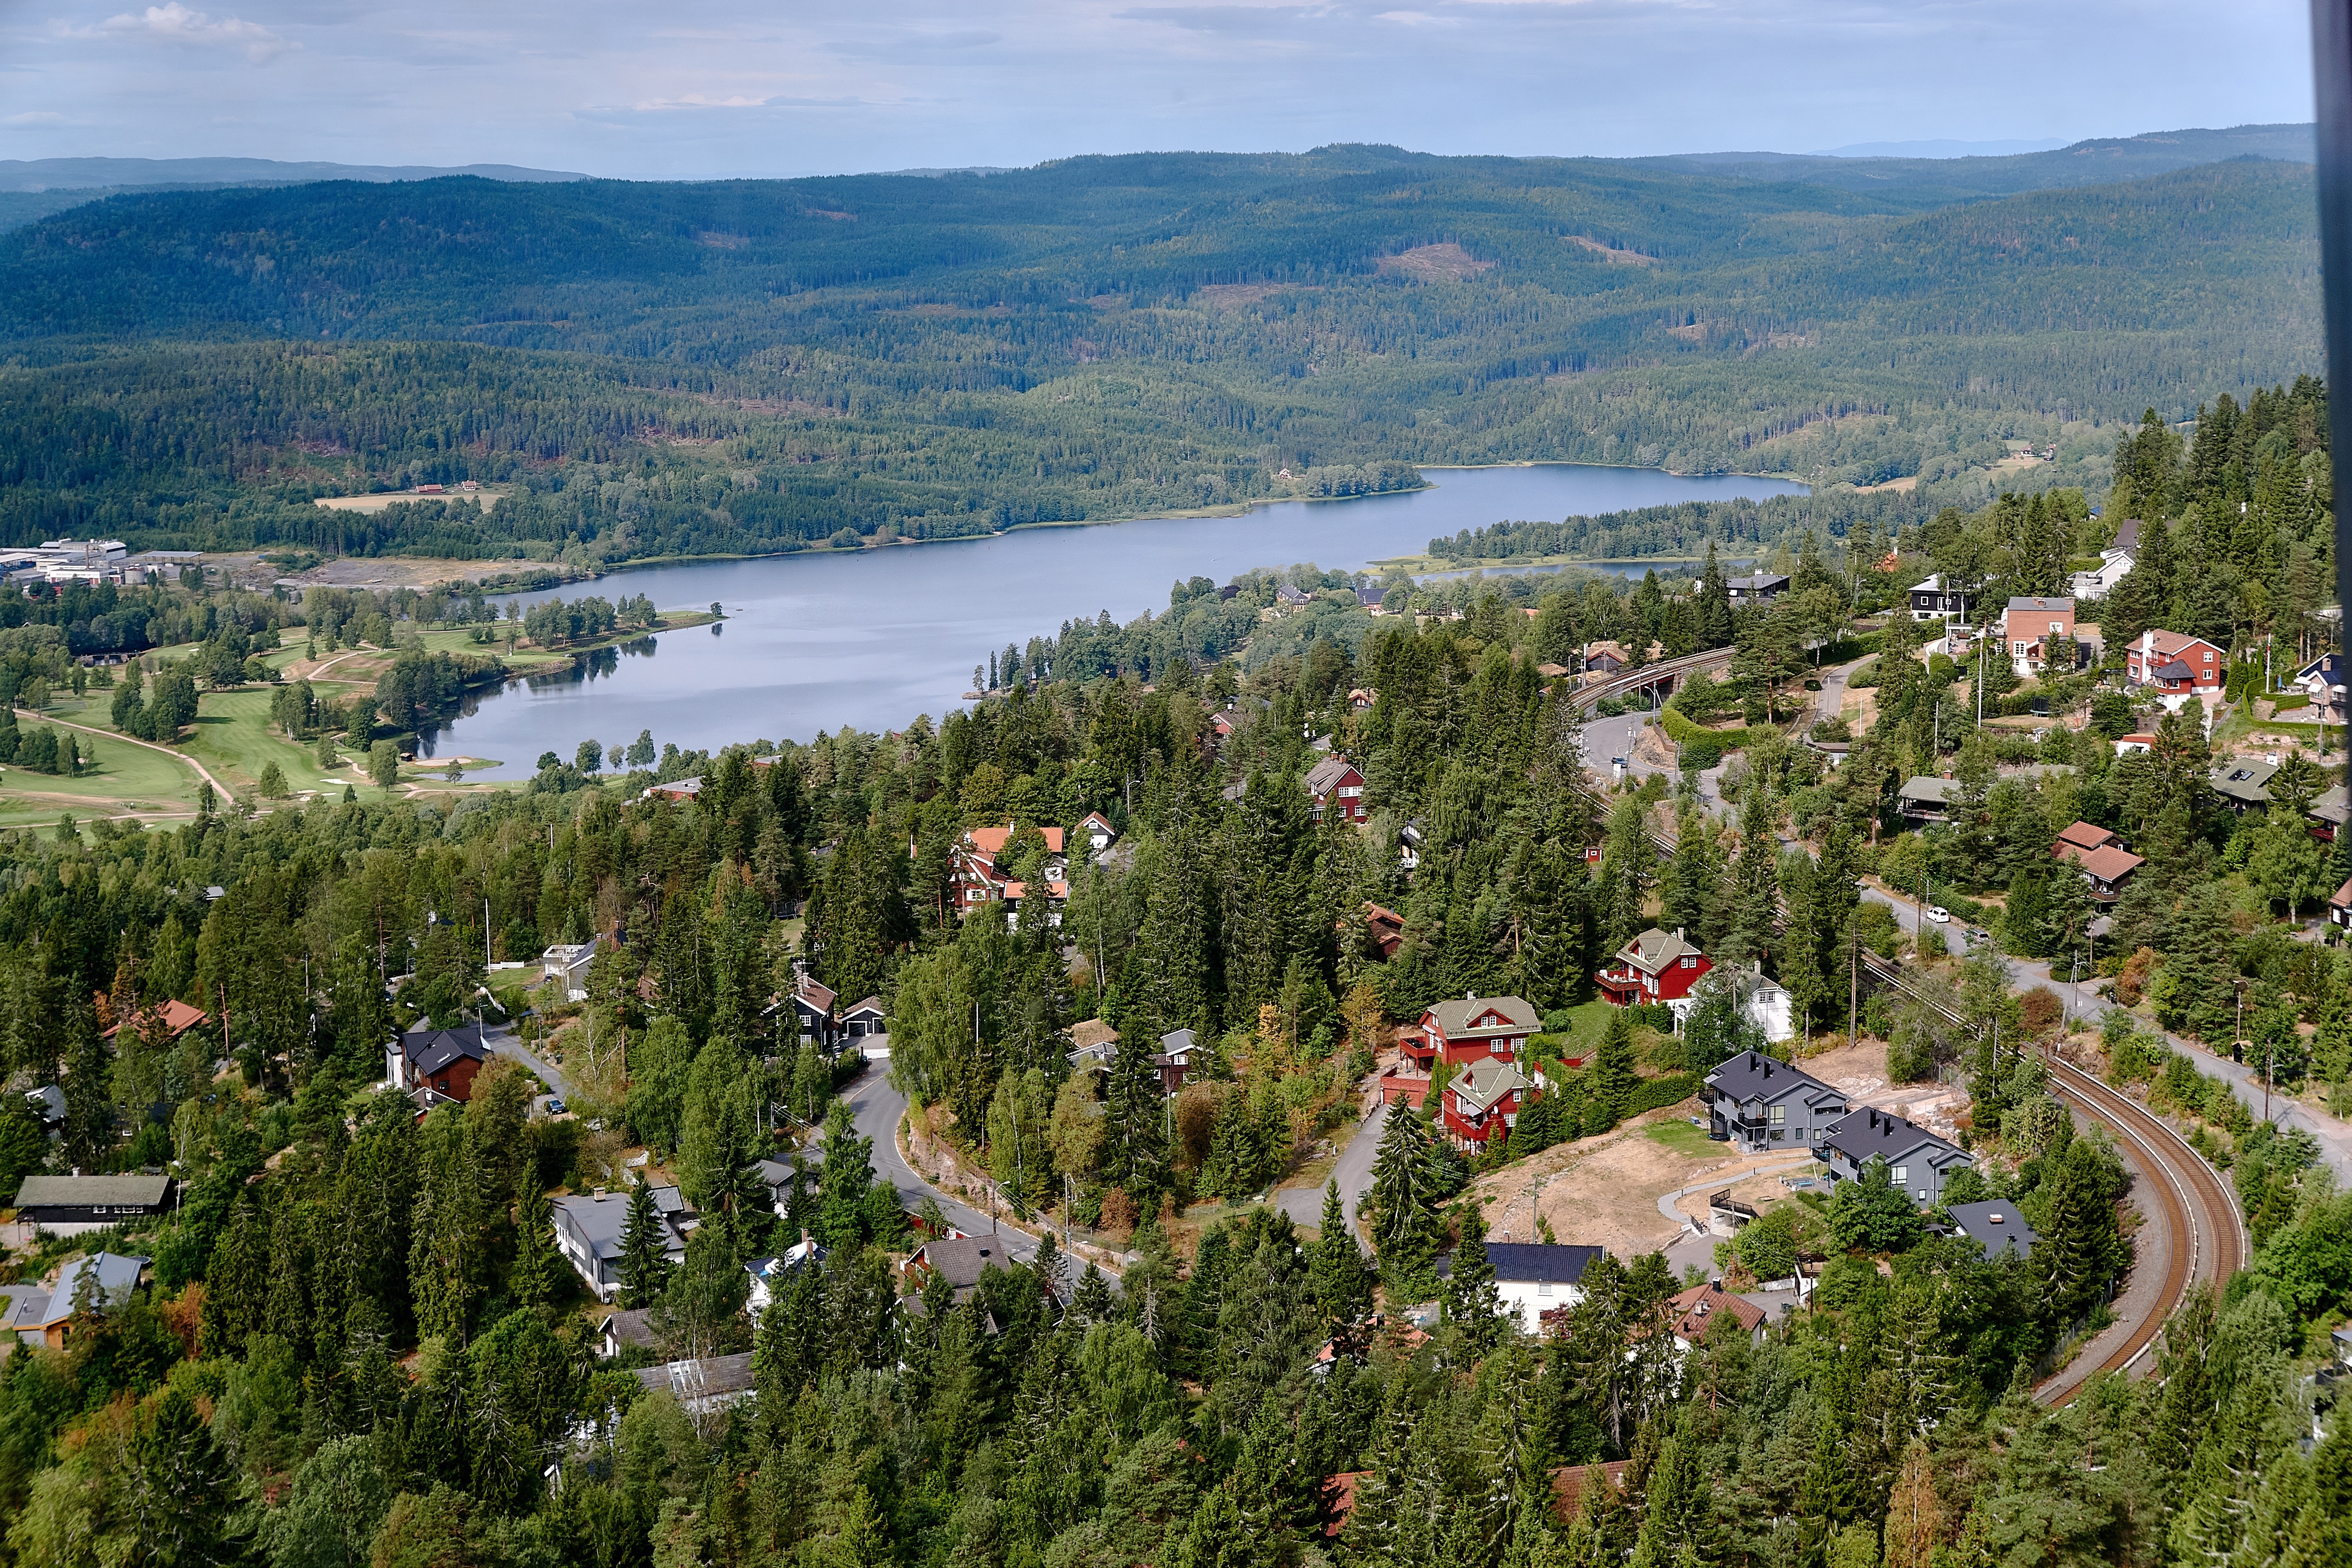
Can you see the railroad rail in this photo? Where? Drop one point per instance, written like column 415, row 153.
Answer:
column 2205, row 1234
column 2208, row 1235
column 1670, row 669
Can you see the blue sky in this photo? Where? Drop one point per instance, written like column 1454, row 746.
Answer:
column 699, row 88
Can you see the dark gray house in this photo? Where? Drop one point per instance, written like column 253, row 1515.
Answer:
column 588, row 1231
column 1995, row 1225
column 68, row 1205
column 1917, row 1160
column 1755, row 1102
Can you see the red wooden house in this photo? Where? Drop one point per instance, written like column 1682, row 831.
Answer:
column 1338, row 788
column 1654, row 967
column 1473, row 1029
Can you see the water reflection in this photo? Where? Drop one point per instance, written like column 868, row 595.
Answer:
column 870, row 638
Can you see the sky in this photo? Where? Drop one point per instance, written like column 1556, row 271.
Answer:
column 702, row 89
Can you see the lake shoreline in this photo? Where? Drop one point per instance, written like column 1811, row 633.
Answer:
column 1239, row 509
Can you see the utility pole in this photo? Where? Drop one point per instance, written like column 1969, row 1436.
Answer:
column 1854, row 979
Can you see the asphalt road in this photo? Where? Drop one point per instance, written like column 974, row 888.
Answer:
column 877, row 1108
column 1353, row 1173
column 502, row 1042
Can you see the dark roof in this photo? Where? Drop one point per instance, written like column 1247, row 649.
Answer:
column 1996, row 1225
column 1874, row 1134
column 1540, row 1262
column 958, row 1259
column 429, row 1049
column 633, row 1327
column 2175, row 670
column 1752, row 1074
column 75, row 1192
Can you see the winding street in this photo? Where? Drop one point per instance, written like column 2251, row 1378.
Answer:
column 1353, row 1173
column 876, row 1109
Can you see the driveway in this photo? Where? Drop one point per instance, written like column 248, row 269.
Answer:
column 502, row 1042
column 1353, row 1173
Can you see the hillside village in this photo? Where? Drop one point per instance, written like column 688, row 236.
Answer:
column 1620, row 1048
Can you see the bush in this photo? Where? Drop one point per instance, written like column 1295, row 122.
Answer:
column 1682, row 732
column 1656, row 1093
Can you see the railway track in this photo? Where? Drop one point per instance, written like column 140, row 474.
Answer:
column 2205, row 1235
column 1651, row 674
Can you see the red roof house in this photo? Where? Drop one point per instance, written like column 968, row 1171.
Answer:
column 1654, row 967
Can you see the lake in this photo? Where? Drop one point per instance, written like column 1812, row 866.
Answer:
column 869, row 639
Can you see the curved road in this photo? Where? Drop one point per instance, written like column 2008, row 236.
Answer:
column 876, row 1110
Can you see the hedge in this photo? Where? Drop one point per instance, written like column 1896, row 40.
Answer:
column 1683, row 731
column 1656, row 1093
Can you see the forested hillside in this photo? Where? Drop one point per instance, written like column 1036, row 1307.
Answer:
column 772, row 363
column 358, row 1341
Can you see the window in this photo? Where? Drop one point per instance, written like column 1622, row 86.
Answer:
column 1779, row 1116
column 1902, row 1173
column 1690, row 961
column 1543, row 1287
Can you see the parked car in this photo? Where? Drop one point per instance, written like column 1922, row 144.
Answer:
column 554, row 1105
column 1940, row 914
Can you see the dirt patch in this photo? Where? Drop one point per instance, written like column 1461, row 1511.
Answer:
column 1903, row 485
column 715, row 240
column 1691, row 333
column 1227, row 296
column 1610, row 252
column 487, row 500
column 1860, row 1069
column 1653, row 747
column 1604, row 1192
column 1859, row 708
column 1447, row 263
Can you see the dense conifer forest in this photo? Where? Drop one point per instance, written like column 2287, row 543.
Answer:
column 660, row 370
column 359, row 1340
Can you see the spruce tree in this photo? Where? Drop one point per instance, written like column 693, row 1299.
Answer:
column 180, row 1491
column 1343, row 1287
column 1613, row 1081
column 644, row 1249
column 1402, row 1207
column 538, row 1267
column 1471, row 1302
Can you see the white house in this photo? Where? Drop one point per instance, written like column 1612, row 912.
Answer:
column 568, row 962
column 1766, row 1005
column 2114, row 566
column 769, row 1274
column 1534, row 1277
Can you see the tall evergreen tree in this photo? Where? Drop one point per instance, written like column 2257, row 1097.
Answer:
column 1343, row 1287
column 645, row 1267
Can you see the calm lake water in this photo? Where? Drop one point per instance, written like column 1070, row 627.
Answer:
column 816, row 641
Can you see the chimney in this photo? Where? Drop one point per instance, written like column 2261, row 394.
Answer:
column 1678, row 933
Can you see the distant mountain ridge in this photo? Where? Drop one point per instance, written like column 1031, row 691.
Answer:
column 44, row 174
column 2098, row 161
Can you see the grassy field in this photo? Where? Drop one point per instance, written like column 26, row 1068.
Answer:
column 1683, row 1139
column 125, row 780
column 233, row 737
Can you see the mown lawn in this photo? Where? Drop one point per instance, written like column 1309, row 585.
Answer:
column 233, row 737
column 122, row 776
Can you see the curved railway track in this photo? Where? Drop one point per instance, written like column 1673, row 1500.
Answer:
column 2206, row 1235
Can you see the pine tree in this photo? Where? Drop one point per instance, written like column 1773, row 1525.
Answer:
column 180, row 1491
column 538, row 1267
column 644, row 1249
column 1403, row 1205
column 1236, row 1161
column 1613, row 1079
column 237, row 1287
column 1343, row 1287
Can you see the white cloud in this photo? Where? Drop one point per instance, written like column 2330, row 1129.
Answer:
column 1417, row 19
column 36, row 117
column 172, row 22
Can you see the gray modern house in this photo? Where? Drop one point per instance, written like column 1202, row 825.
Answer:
column 1995, row 1225
column 1917, row 1160
column 588, row 1230
column 1756, row 1102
